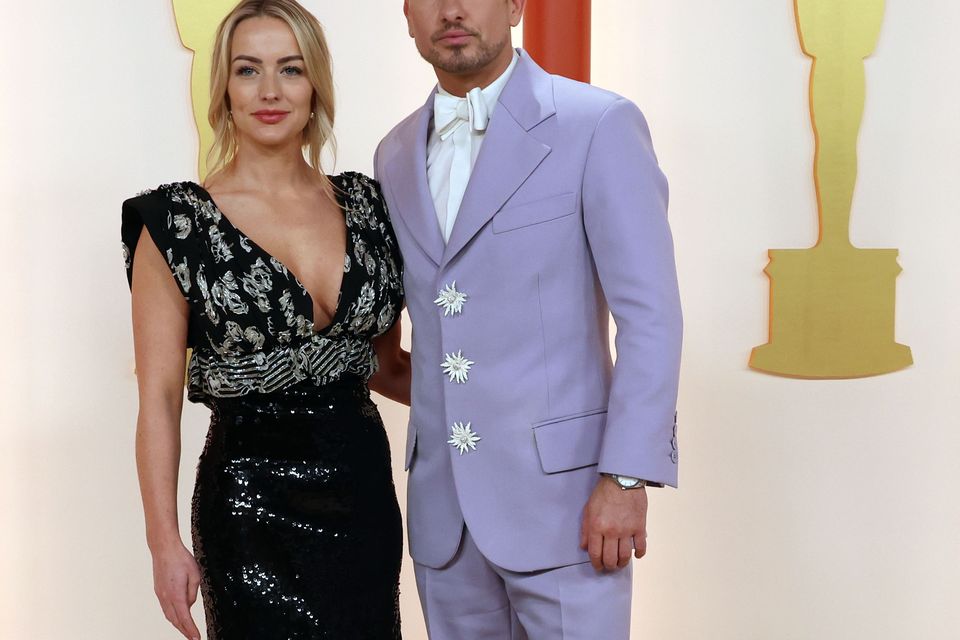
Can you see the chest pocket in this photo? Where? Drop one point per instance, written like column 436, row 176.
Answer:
column 536, row 212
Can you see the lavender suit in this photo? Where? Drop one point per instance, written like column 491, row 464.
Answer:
column 563, row 221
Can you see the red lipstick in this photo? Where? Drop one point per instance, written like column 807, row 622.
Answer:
column 270, row 116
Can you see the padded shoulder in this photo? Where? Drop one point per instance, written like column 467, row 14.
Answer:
column 170, row 217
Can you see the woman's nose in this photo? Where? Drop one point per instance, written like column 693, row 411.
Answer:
column 269, row 88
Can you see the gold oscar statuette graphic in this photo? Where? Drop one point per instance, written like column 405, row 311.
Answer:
column 197, row 22
column 832, row 306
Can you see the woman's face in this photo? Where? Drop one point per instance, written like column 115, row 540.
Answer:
column 270, row 94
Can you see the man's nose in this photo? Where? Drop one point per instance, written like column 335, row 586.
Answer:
column 452, row 10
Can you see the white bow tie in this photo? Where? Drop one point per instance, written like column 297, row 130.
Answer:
column 450, row 112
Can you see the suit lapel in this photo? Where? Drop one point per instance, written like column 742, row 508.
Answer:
column 510, row 153
column 407, row 171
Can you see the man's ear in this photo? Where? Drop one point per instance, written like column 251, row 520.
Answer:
column 406, row 14
column 516, row 11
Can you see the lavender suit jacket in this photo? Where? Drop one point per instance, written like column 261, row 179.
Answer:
column 563, row 221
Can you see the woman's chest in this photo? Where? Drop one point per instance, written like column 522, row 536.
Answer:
column 251, row 299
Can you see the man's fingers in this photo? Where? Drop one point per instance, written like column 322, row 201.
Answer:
column 595, row 550
column 611, row 553
column 639, row 546
column 625, row 547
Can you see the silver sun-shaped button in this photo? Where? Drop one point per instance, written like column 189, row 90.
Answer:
column 451, row 300
column 463, row 438
column 456, row 367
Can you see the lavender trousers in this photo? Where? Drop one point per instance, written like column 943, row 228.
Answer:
column 472, row 599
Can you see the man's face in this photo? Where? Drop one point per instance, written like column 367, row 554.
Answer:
column 462, row 36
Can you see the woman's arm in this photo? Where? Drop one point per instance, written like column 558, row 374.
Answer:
column 392, row 379
column 160, row 320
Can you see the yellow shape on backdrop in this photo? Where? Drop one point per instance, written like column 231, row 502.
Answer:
column 197, row 21
column 832, row 306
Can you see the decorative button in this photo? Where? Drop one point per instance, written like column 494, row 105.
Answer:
column 674, row 453
column 451, row 300
column 463, row 438
column 457, row 367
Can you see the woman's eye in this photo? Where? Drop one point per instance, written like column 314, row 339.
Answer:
column 292, row 71
column 246, row 71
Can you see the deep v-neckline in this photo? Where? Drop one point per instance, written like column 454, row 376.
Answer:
column 341, row 205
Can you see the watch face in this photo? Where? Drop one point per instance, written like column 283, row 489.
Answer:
column 627, row 482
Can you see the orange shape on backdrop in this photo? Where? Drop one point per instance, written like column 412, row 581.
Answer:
column 556, row 33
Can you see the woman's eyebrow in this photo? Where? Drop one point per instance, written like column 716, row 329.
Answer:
column 259, row 61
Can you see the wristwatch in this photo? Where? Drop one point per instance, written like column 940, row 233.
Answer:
column 627, row 482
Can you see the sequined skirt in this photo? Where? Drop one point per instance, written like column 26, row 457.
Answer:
column 296, row 526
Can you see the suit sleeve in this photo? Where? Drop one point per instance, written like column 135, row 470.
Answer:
column 625, row 217
column 377, row 173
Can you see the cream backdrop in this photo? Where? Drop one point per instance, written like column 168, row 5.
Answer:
column 807, row 509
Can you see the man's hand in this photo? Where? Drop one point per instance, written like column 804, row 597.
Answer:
column 614, row 525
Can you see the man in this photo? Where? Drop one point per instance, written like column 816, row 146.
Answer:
column 528, row 206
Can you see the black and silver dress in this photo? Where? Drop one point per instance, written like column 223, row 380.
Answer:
column 296, row 526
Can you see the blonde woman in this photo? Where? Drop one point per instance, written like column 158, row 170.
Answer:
column 286, row 283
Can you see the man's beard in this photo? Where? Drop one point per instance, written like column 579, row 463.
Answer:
column 459, row 62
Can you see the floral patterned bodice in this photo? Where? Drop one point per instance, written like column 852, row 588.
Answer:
column 251, row 322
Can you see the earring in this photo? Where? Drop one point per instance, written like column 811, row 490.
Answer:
column 312, row 114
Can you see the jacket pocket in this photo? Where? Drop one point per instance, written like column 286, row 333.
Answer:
column 570, row 442
column 411, row 446
column 531, row 213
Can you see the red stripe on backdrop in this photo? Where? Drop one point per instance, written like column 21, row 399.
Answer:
column 556, row 33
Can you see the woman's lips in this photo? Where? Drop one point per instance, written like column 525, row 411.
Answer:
column 270, row 117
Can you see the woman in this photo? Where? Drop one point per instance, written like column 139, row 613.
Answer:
column 286, row 284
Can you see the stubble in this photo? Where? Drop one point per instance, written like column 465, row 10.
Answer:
column 457, row 60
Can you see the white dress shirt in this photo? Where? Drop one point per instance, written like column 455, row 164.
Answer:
column 459, row 125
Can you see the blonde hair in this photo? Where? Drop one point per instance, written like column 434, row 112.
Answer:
column 317, row 65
